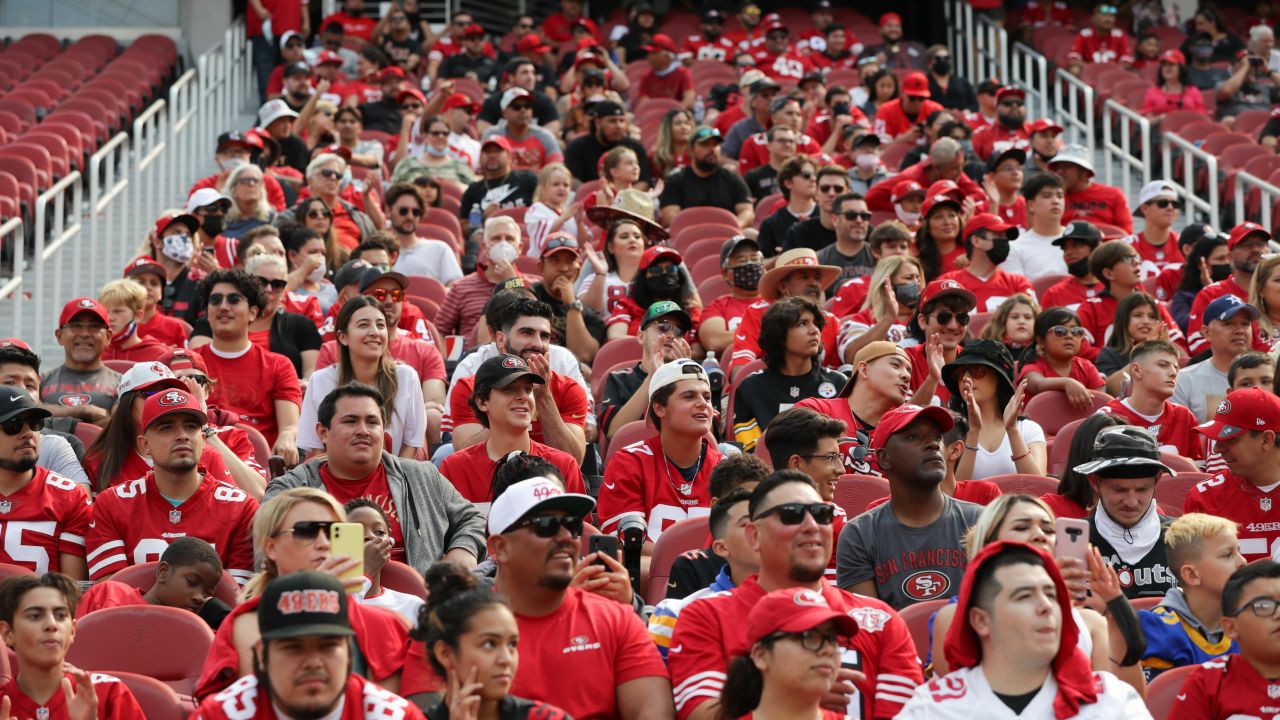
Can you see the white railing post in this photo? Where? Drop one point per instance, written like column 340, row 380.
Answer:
column 51, row 237
column 1132, row 160
column 182, row 118
column 108, row 203
column 991, row 51
column 1268, row 195
column 153, row 191
column 1030, row 70
column 12, row 284
column 1073, row 105
column 1191, row 153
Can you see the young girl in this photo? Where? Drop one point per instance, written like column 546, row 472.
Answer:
column 1013, row 324
column 1057, row 365
column 619, row 170
column 1137, row 321
column 552, row 209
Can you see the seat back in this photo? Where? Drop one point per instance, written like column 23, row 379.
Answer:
column 855, row 492
column 1052, row 410
column 143, row 576
column 261, row 449
column 1025, row 483
column 917, row 619
column 617, row 351
column 8, row 570
column 158, row 701
column 1061, row 448
column 1171, row 490
column 1162, row 692
column 164, row 643
column 683, row 536
column 633, row 431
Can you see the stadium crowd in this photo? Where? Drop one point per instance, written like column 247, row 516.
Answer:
column 771, row 371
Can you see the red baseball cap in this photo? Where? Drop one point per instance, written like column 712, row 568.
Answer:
column 145, row 264
column 905, row 189
column 915, row 85
column 183, row 359
column 1241, row 411
column 1042, row 124
column 531, row 44
column 328, row 57
column 661, row 42
column 941, row 288
column 473, row 30
column 336, row 149
column 587, row 24
column 391, row 71
column 1173, row 56
column 169, row 402
column 164, row 221
column 412, row 92
column 795, row 610
column 460, row 100
column 903, row 415
column 1244, row 230
column 887, row 18
column 14, row 342
column 939, row 196
column 499, row 140
column 83, row 305
column 775, row 24
column 987, row 221
column 659, row 252
column 1007, row 90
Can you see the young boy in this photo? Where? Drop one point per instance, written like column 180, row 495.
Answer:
column 1153, row 372
column 374, row 519
column 36, row 614
column 1186, row 627
column 1251, row 369
column 186, row 576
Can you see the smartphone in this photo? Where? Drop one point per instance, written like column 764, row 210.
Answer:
column 1072, row 538
column 840, row 108
column 606, row 544
column 348, row 539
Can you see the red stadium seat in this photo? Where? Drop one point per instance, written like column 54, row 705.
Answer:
column 1250, row 122
column 680, row 538
column 21, row 109
column 1219, row 141
column 632, row 432
column 261, row 449
column 702, row 215
column 855, row 492
column 598, row 378
column 93, row 132
column 25, row 173
column 616, row 351
column 11, row 123
column 1146, row 603
column 713, row 287
column 690, row 234
column 1052, row 410
column 143, row 576
column 7, row 571
column 87, row 432
column 59, row 154
column 427, row 287
column 158, row 701
column 39, row 158
column 428, row 306
column 1061, row 447
column 700, row 250
column 1163, row 691
column 445, row 219
column 164, row 643
column 893, row 153
column 704, row 268
column 917, row 618
column 1178, row 463
column 43, row 45
column 1171, row 490
column 1036, row 485
column 402, row 578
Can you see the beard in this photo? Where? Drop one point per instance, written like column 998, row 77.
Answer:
column 180, row 465
column 707, row 164
column 21, row 465
column 803, row 575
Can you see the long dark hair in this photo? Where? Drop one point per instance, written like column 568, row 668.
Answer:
column 514, row 467
column 112, row 446
column 1120, row 340
column 453, row 598
column 1073, row 485
column 743, row 686
column 778, row 320
column 1183, row 79
column 1047, row 320
column 639, row 292
column 1191, row 281
column 927, row 247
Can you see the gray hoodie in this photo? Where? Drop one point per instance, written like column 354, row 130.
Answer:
column 434, row 517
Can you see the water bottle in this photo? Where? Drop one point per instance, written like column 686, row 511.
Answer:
column 476, row 218
column 715, row 377
column 699, row 109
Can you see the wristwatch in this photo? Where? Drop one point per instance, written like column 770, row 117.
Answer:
column 577, row 305
column 208, row 431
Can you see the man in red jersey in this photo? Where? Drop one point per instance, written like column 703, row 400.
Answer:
column 712, row 44
column 303, row 661
column 45, row 515
column 133, row 522
column 1003, row 184
column 1009, row 130
column 36, row 622
column 1086, row 199
column 1045, row 142
column 152, row 323
column 1103, row 42
column 502, row 400
column 903, row 119
column 1247, row 243
column 1077, row 242
column 1244, row 433
column 790, row 528
column 756, row 151
column 777, row 58
column 664, row 479
column 1117, row 266
column 257, row 383
column 1153, row 372
column 1157, row 244
column 569, row 634
column 986, row 244
column 797, row 272
column 1246, row 685
column 666, row 78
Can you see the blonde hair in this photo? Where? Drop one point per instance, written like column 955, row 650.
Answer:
column 124, row 291
column 1266, row 268
column 544, row 178
column 1184, row 539
column 262, row 257
column 261, row 209
column 995, row 327
column 269, row 521
column 984, row 531
column 613, row 159
column 884, row 272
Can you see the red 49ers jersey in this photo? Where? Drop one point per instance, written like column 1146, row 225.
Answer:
column 785, row 66
column 363, row 700
column 640, row 480
column 1237, row 499
column 1226, row 687
column 1096, row 47
column 48, row 516
column 115, row 701
column 697, row 47
column 1176, row 427
column 133, row 524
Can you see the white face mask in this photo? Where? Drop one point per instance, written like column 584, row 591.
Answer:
column 503, row 251
column 178, row 248
column 908, row 218
column 231, row 164
column 867, row 161
column 317, row 274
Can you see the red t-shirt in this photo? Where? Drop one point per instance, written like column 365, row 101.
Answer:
column 891, row 121
column 1175, row 429
column 713, row 630
column 108, row 594
column 992, row 291
column 1237, row 499
column 361, row 27
column 746, row 340
column 1069, row 293
column 250, row 384
column 671, row 86
column 362, row 700
column 850, row 296
column 1082, row 371
column 471, row 471
column 920, row 373
column 148, row 350
column 696, row 47
column 727, row 119
column 996, row 138
column 447, row 46
column 575, row 656
column 1038, row 14
column 420, row 355
column 640, row 479
column 1063, row 506
column 1099, row 204
column 115, row 700
column 1155, row 258
column 1015, row 214
column 1196, row 341
column 820, row 127
column 1095, row 47
column 789, row 65
column 48, row 516
column 133, row 524
column 307, row 306
column 730, row 309
column 1223, row 688
column 1098, row 316
column 755, row 151
column 372, row 487
column 571, row 401
column 164, row 329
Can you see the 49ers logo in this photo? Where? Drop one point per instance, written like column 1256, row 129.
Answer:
column 74, row 400
column 926, row 585
column 513, row 363
column 172, row 399
column 545, row 490
column 309, row 601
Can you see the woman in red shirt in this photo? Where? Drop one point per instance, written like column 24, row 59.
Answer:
column 661, row 276
column 1172, row 91
column 938, row 239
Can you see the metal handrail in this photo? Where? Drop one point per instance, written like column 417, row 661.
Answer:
column 1127, row 123
column 60, row 233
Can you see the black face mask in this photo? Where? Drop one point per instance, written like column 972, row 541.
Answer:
column 1218, row 273
column 999, row 251
column 212, row 225
column 663, row 286
column 907, row 294
column 1079, row 268
column 941, row 66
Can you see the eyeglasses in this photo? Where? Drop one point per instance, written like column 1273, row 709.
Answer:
column 306, row 532
column 832, row 188
column 977, row 372
column 248, row 180
column 1062, row 330
column 1011, row 103
column 319, row 215
column 663, row 269
column 382, row 295
column 1107, row 9
column 854, row 216
column 1263, row 607
column 793, row 513
column 1131, row 259
column 406, row 211
column 439, row 133
column 548, row 526
column 14, row 426
column 397, row 18
column 525, row 26
column 666, row 327
column 273, row 285
column 944, row 317
column 330, row 174
column 411, row 107
column 232, row 299
column 461, row 23
column 1164, row 204
column 201, row 380
column 812, row 639
column 79, row 327
column 830, row 459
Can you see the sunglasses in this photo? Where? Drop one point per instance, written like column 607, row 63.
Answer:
column 412, row 107
column 248, row 181
column 977, row 372
column 201, row 380
column 14, row 426
column 407, row 211
column 807, row 175
column 232, row 299
column 1011, row 103
column 331, row 174
column 306, row 532
column 663, row 269
column 854, row 215
column 548, row 526
column 382, row 295
column 525, row 26
column 1062, row 331
column 319, row 215
column 831, row 188
column 666, row 327
column 1107, row 9
column 439, row 133
column 1164, row 204
column 273, row 285
column 944, row 317
column 793, row 513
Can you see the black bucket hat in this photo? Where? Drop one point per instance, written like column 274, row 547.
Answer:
column 990, row 353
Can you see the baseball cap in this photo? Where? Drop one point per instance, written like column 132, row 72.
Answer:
column 14, row 342
column 473, row 30
column 529, row 496
column 1124, row 451
column 350, row 272
column 870, row 352
column 673, row 372
column 148, row 375
column 905, row 189
column 905, row 414
column 1074, row 154
column 512, row 283
column 304, row 604
column 776, row 25
column 756, row 81
column 1227, row 307
column 460, row 100
column 145, row 264
column 531, row 44
column 1174, row 56
column 1241, row 411
column 411, row 92
column 660, row 43
column 1012, row 153
column 183, row 359
column 588, row 25
column 512, row 95
column 987, row 221
column 1082, row 230
column 169, row 402
column 940, row 196
column 500, row 371
column 663, row 308
column 371, row 275
column 328, row 57
column 795, row 610
column 1041, row 125
column 915, row 85
column 164, row 221
column 606, row 108
column 887, row 18
column 780, row 102
column 659, row 252
column 204, row 197
column 298, row 68
column 1244, row 230
column 730, row 246
column 559, row 242
column 869, row 138
column 249, row 141
column 1155, row 190
column 273, row 110
column 989, row 86
column 941, row 288
column 704, row 134
column 391, row 72
column 499, row 140
column 83, row 305
column 1010, row 91
column 16, row 401
column 712, row 15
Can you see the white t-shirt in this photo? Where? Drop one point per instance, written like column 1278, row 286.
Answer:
column 1000, row 462
column 1034, row 255
column 1201, row 387
column 402, row 604
column 538, row 221
column 429, row 258
column 408, row 421
column 966, row 694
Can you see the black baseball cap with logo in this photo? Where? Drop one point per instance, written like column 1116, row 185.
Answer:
column 502, row 370
column 16, row 401
column 304, row 604
column 1081, row 230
